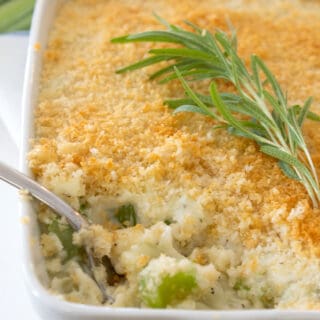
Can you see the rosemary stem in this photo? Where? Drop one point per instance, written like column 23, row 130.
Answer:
column 270, row 122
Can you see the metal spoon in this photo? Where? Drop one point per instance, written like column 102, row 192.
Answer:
column 74, row 218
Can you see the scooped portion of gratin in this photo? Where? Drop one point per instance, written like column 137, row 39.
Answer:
column 185, row 216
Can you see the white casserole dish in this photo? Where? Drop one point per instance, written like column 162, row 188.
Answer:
column 52, row 307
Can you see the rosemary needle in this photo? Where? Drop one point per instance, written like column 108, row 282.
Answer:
column 269, row 120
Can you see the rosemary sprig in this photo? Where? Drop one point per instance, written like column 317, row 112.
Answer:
column 258, row 111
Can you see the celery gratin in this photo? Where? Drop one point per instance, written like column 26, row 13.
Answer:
column 185, row 215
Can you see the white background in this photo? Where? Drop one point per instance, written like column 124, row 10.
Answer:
column 14, row 300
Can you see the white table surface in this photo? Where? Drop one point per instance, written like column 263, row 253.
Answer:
column 14, row 300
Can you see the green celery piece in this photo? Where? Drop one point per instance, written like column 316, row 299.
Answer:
column 126, row 215
column 168, row 222
column 267, row 301
column 240, row 285
column 16, row 15
column 83, row 207
column 64, row 234
column 172, row 289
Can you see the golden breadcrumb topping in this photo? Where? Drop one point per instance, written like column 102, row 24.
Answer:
column 114, row 134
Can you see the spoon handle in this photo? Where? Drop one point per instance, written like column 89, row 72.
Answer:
column 23, row 182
